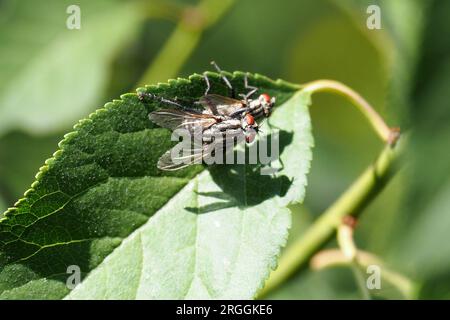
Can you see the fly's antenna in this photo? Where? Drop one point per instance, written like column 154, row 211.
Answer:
column 224, row 78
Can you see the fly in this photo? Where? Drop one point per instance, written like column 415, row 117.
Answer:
column 219, row 125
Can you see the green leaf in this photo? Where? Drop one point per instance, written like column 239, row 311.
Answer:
column 138, row 232
column 56, row 62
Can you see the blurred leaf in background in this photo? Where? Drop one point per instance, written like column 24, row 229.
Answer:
column 256, row 38
column 423, row 247
column 193, row 21
column 41, row 58
column 17, row 168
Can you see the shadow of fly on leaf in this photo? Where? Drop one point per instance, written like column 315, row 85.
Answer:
column 243, row 185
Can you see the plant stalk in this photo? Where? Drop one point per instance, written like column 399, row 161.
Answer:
column 387, row 134
column 352, row 202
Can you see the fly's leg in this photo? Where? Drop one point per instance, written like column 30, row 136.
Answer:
column 224, row 78
column 251, row 88
column 151, row 96
column 144, row 95
column 208, row 85
column 240, row 111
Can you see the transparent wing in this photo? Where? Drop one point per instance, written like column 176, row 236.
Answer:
column 180, row 156
column 171, row 162
column 220, row 105
column 175, row 119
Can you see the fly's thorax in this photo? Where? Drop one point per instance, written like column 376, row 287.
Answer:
column 262, row 106
column 256, row 109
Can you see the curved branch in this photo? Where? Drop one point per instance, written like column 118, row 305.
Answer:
column 352, row 202
column 386, row 134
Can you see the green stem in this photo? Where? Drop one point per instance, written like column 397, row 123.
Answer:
column 350, row 253
column 352, row 202
column 402, row 283
column 184, row 39
column 386, row 134
column 329, row 258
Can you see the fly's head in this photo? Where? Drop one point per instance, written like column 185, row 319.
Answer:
column 267, row 103
column 250, row 127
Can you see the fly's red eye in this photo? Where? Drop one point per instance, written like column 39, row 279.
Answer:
column 249, row 118
column 266, row 97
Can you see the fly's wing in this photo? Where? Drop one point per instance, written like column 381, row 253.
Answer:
column 220, row 105
column 179, row 158
column 169, row 162
column 176, row 119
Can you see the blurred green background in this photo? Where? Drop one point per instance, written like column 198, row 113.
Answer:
column 51, row 76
